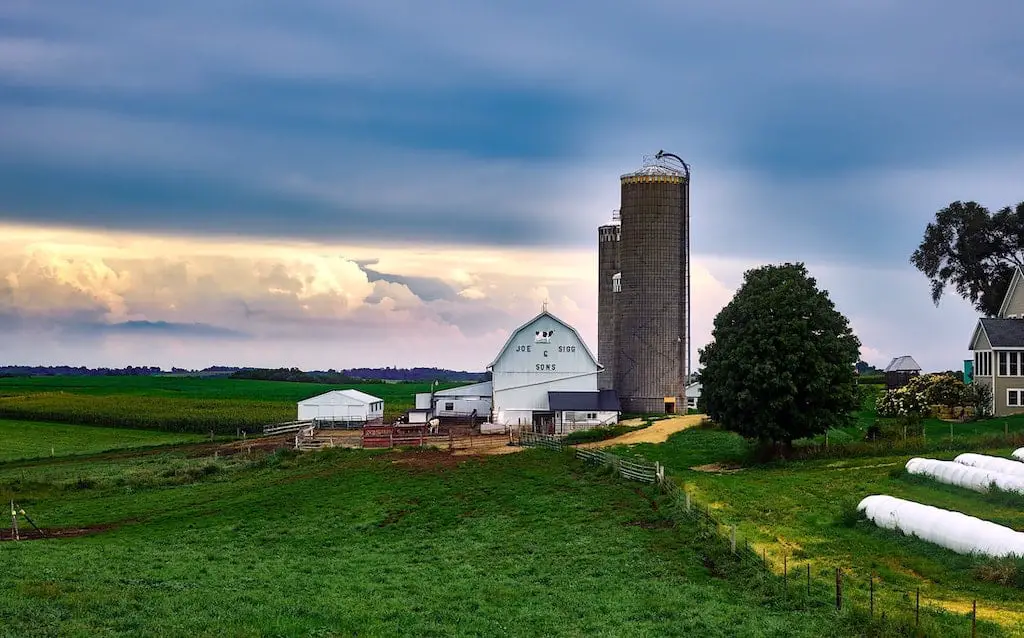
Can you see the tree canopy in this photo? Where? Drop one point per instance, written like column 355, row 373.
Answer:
column 780, row 365
column 973, row 250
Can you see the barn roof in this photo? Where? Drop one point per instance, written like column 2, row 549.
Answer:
column 902, row 364
column 1004, row 333
column 482, row 389
column 600, row 401
column 353, row 395
column 544, row 313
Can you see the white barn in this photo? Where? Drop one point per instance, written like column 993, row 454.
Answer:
column 342, row 406
column 546, row 358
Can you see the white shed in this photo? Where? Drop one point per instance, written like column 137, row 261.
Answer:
column 464, row 400
column 693, row 395
column 543, row 355
column 342, row 406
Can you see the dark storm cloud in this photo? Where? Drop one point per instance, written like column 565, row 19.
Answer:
column 426, row 288
column 162, row 328
column 478, row 123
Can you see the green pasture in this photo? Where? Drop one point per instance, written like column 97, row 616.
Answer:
column 177, row 404
column 28, row 439
column 801, row 510
column 348, row 542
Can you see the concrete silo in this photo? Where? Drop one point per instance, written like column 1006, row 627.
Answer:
column 652, row 311
column 608, row 267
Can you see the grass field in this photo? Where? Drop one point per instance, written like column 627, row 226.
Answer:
column 29, row 440
column 178, row 404
column 351, row 542
column 797, row 509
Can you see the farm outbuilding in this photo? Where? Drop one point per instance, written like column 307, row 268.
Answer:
column 900, row 370
column 342, row 407
column 545, row 356
column 464, row 402
column 583, row 410
column 693, row 395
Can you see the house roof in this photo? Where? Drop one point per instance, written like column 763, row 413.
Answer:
column 1017, row 275
column 694, row 389
column 904, row 363
column 334, row 396
column 1003, row 333
column 600, row 401
column 544, row 313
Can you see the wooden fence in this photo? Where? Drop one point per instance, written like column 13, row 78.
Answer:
column 635, row 469
column 285, row 428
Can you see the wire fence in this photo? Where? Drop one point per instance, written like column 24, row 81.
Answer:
column 796, row 583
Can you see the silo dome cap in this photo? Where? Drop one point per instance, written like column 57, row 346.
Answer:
column 656, row 169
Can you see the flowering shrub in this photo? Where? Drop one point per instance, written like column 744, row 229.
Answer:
column 906, row 402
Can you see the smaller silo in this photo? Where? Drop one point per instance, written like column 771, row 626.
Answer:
column 608, row 268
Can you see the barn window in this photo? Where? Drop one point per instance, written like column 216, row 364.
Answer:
column 449, row 406
column 591, row 415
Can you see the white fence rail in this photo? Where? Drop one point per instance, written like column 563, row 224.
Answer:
column 633, row 469
column 284, row 428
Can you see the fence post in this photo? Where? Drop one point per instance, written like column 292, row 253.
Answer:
column 974, row 618
column 917, row 609
column 872, row 594
column 839, row 590
column 733, row 539
column 764, row 558
column 808, row 581
column 785, row 575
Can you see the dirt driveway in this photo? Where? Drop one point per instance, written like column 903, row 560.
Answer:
column 657, row 433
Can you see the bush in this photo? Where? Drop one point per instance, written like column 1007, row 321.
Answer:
column 1008, row 571
column 979, row 396
column 890, row 429
column 600, row 434
column 849, row 515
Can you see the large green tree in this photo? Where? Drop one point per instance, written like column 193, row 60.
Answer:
column 974, row 251
column 780, row 365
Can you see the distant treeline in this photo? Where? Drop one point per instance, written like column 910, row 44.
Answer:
column 360, row 375
column 279, row 374
column 81, row 371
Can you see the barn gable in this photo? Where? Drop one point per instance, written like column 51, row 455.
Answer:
column 541, row 339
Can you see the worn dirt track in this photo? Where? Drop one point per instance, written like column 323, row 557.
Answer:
column 657, row 433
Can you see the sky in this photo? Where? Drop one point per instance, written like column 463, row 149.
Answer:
column 330, row 184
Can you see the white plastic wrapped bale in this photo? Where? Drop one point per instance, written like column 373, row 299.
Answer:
column 959, row 532
column 972, row 478
column 1018, row 454
column 994, row 463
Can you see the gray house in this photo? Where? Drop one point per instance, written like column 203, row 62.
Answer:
column 998, row 345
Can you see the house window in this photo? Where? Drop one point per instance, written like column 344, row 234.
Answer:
column 1012, row 356
column 1014, row 397
column 591, row 415
column 1002, row 363
column 983, row 361
column 449, row 406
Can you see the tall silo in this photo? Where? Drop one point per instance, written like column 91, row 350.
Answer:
column 607, row 269
column 654, row 305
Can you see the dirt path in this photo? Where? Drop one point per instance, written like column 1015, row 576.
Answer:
column 657, row 433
